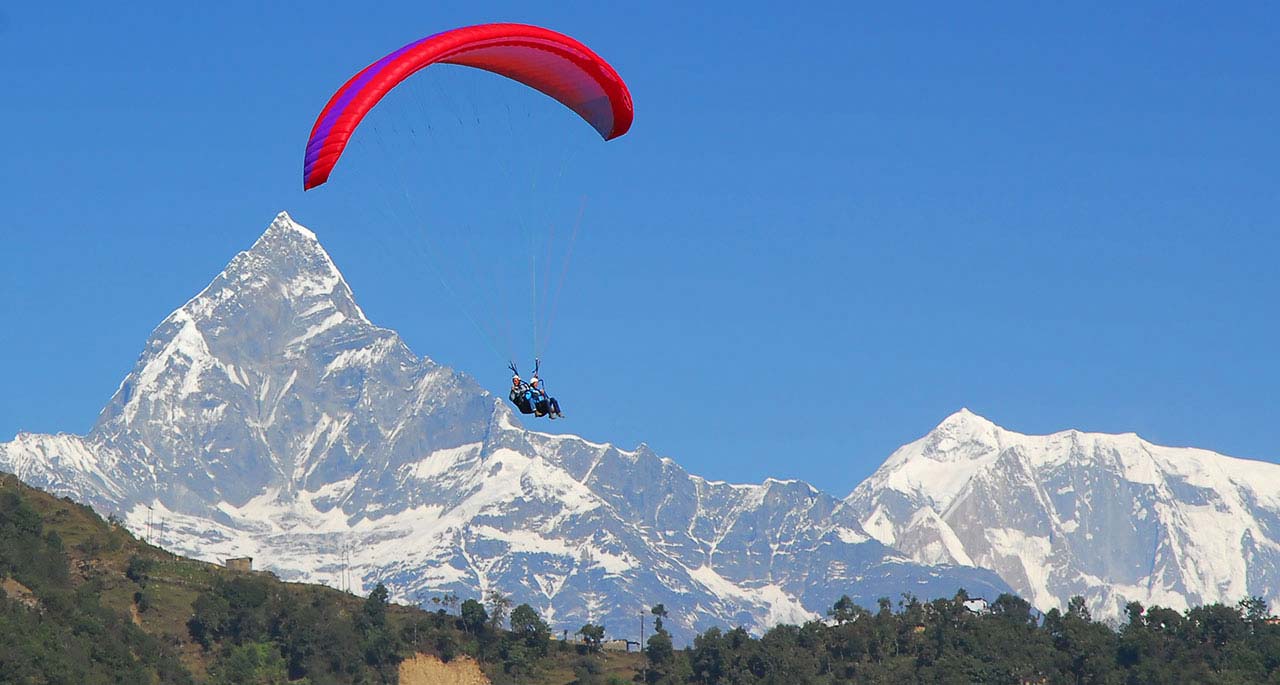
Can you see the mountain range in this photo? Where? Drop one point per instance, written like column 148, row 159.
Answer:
column 268, row 417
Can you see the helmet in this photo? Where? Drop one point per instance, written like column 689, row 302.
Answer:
column 535, row 381
column 515, row 379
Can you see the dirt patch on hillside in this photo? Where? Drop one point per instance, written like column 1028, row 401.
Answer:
column 424, row 669
column 21, row 593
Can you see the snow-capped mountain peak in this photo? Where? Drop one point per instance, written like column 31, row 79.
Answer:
column 1111, row 517
column 288, row 263
column 935, row 467
column 961, row 428
column 268, row 417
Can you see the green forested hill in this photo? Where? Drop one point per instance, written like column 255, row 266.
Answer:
column 67, row 614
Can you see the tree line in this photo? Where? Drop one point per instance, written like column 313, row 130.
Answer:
column 954, row 641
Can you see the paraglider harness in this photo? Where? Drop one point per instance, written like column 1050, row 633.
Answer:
column 531, row 400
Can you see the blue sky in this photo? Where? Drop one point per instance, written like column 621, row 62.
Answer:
column 830, row 226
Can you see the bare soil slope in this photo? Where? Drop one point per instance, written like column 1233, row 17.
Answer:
column 425, row 669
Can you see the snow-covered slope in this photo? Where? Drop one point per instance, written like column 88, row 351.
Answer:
column 268, row 417
column 1111, row 517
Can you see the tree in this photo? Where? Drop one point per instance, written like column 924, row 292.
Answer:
column 375, row 606
column 473, row 616
column 658, row 651
column 1085, row 650
column 708, row 658
column 1076, row 608
column 450, row 600
column 660, row 657
column 254, row 663
column 593, row 635
column 844, row 610
column 659, row 612
column 378, row 643
column 498, row 605
column 529, row 627
column 1255, row 610
column 528, row 641
column 783, row 653
column 211, row 618
column 138, row 569
column 1013, row 609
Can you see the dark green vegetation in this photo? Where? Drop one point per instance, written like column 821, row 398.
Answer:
column 83, row 601
column 58, row 621
column 944, row 641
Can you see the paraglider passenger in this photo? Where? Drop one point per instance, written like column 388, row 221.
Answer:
column 544, row 404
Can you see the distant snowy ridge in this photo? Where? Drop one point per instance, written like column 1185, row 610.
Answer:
column 1113, row 518
column 268, row 417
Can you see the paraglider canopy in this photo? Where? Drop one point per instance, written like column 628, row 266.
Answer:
column 545, row 60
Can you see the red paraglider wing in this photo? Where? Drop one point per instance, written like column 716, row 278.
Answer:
column 550, row 62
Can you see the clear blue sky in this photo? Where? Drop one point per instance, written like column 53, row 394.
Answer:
column 830, row 227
